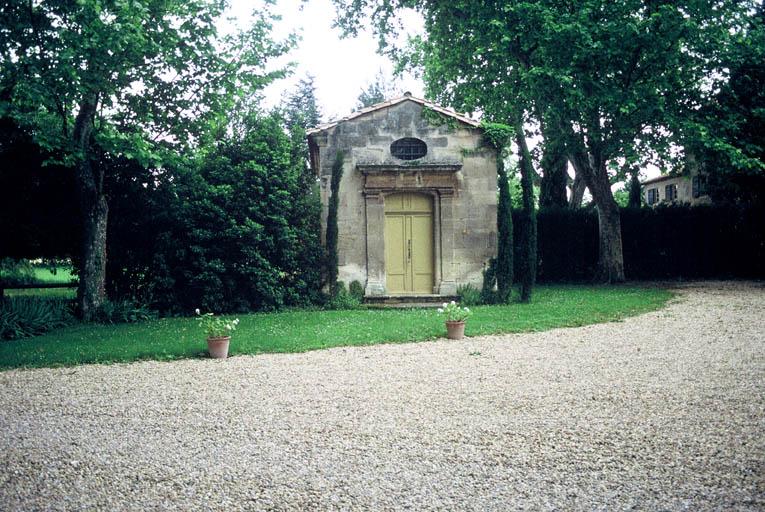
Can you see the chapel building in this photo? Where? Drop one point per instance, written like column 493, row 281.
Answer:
column 417, row 211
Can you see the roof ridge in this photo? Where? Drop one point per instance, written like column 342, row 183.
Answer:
column 661, row 177
column 389, row 103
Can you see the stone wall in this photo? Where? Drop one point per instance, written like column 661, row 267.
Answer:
column 457, row 172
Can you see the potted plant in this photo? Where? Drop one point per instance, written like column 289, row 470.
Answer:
column 455, row 319
column 218, row 331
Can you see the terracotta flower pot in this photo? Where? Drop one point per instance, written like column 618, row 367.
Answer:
column 455, row 330
column 218, row 346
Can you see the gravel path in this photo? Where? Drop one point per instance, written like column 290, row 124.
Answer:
column 661, row 411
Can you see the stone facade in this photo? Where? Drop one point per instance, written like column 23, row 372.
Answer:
column 675, row 189
column 458, row 173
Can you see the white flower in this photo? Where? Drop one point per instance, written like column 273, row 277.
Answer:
column 440, row 310
column 196, row 311
column 444, row 305
column 467, row 310
column 454, row 303
column 236, row 322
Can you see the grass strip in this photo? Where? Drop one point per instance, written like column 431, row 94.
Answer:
column 299, row 331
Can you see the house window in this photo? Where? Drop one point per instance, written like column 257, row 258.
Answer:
column 699, row 184
column 408, row 148
column 670, row 192
column 653, row 196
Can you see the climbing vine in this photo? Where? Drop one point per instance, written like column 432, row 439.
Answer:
column 496, row 135
column 436, row 118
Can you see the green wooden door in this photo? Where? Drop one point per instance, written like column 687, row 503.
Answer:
column 409, row 244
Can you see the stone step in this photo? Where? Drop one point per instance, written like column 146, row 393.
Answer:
column 407, row 301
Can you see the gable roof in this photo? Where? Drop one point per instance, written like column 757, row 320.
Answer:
column 463, row 118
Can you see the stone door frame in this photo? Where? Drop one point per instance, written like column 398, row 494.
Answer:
column 439, row 181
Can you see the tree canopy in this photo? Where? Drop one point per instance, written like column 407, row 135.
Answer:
column 380, row 89
column 611, row 79
column 131, row 78
column 152, row 71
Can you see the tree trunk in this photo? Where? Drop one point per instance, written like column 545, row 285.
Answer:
column 577, row 191
column 95, row 212
column 92, row 289
column 552, row 186
column 610, row 257
column 529, row 226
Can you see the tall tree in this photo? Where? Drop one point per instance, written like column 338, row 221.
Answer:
column 331, row 236
column 498, row 137
column 226, row 229
column 302, row 111
column 634, row 188
column 301, row 107
column 504, row 270
column 578, row 188
column 529, row 225
column 554, row 164
column 377, row 91
column 609, row 75
column 727, row 139
column 133, row 78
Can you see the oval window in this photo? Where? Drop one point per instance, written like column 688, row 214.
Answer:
column 408, row 148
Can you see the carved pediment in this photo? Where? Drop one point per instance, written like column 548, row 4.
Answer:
column 391, row 176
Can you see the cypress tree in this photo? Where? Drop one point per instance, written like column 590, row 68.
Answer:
column 528, row 264
column 635, row 198
column 497, row 135
column 504, row 265
column 334, row 199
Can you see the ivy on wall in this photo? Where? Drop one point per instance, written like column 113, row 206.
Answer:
column 436, row 119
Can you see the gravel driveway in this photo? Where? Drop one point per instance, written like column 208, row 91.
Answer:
column 661, row 411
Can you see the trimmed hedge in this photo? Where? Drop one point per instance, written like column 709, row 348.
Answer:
column 669, row 242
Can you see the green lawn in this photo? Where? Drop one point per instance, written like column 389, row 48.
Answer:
column 66, row 293
column 298, row 331
column 45, row 275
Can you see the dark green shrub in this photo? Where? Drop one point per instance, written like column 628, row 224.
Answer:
column 567, row 244
column 16, row 272
column 666, row 242
column 468, row 295
column 123, row 312
column 238, row 230
column 356, row 290
column 21, row 317
column 342, row 299
column 488, row 290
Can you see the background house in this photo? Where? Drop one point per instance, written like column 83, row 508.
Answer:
column 678, row 189
column 418, row 197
